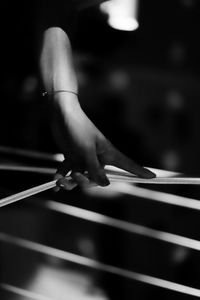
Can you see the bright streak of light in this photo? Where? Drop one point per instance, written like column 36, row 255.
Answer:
column 122, row 14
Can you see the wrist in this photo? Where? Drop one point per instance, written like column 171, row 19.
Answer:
column 66, row 102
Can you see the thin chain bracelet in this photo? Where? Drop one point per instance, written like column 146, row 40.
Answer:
column 59, row 91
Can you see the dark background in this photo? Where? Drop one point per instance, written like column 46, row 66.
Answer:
column 142, row 89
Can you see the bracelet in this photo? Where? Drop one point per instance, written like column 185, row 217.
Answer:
column 59, row 91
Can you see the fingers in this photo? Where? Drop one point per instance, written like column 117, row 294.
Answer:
column 123, row 162
column 94, row 166
column 66, row 183
column 57, row 177
column 95, row 170
column 62, row 182
column 80, row 178
column 77, row 177
column 64, row 168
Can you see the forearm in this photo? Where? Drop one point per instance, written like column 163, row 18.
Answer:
column 56, row 61
column 58, row 72
column 86, row 147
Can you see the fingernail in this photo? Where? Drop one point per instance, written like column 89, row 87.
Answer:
column 82, row 178
column 60, row 182
column 66, row 184
column 104, row 181
column 149, row 174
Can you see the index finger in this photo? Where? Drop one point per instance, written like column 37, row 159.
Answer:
column 123, row 162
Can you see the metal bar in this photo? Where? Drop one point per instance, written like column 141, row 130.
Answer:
column 99, row 266
column 122, row 225
column 22, row 292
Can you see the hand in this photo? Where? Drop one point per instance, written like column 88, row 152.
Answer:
column 89, row 150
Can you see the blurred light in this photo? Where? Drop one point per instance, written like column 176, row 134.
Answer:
column 171, row 160
column 119, row 79
column 174, row 100
column 63, row 283
column 29, row 87
column 177, row 53
column 180, row 255
column 58, row 157
column 87, row 247
column 122, row 14
column 188, row 3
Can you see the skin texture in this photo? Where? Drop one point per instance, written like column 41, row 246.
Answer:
column 84, row 146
